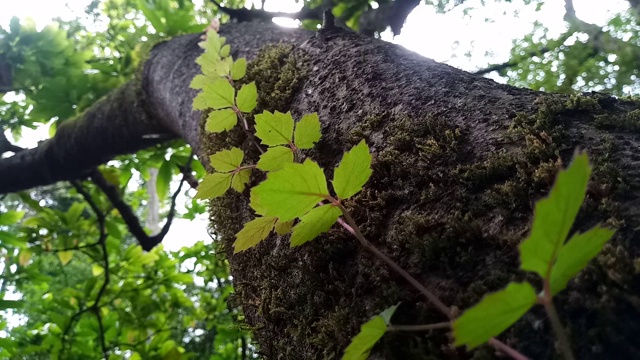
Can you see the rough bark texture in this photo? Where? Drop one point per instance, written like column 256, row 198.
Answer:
column 458, row 162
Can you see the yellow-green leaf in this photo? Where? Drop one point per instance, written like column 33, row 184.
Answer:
column 25, row 256
column 247, row 98
column 240, row 180
column 65, row 256
column 274, row 129
column 239, row 69
column 96, row 269
column 353, row 171
column 283, row 227
column 307, row 131
column 314, row 223
column 221, row 120
column 214, row 185
column 227, row 160
column 290, row 192
column 275, row 158
column 253, row 233
column 218, row 94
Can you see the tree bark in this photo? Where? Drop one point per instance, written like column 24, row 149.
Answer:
column 458, row 162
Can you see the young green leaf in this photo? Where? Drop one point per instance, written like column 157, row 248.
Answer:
column 275, row 158
column 247, row 98
column 199, row 81
column 253, row 232
column 213, row 185
column 370, row 333
column 274, row 129
column 283, row 228
column 240, row 180
column 227, row 160
column 225, row 50
column 219, row 94
column 575, row 255
column 554, row 216
column 290, row 192
column 213, row 42
column 307, row 131
column 11, row 217
column 493, row 314
column 221, row 120
column 239, row 69
column 65, row 257
column 317, row 221
column 353, row 171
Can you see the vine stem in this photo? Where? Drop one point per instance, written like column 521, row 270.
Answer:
column 428, row 294
column 426, row 327
column 547, row 301
column 351, row 226
column 499, row 345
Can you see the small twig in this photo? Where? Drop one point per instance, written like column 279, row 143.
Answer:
column 426, row 327
column 546, row 300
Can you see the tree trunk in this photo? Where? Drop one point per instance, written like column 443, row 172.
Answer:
column 458, row 162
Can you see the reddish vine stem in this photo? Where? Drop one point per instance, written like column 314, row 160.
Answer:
column 426, row 327
column 426, row 292
column 351, row 226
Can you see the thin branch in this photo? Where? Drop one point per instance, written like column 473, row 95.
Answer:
column 426, row 327
column 506, row 349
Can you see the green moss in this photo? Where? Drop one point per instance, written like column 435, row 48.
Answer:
column 278, row 71
column 629, row 121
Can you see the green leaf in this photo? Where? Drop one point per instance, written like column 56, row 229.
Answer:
column 11, row 217
column 199, row 81
column 274, row 129
column 275, row 158
column 307, row 131
column 554, row 216
column 370, row 333
column 314, row 223
column 221, row 120
column 575, row 255
column 96, row 269
column 216, row 95
column 73, row 214
column 240, row 180
column 353, row 171
column 163, row 181
column 247, row 98
column 253, row 232
column 493, row 314
column 283, row 227
column 214, row 185
column 65, row 256
column 225, row 50
column 290, row 192
column 239, row 69
column 11, row 304
column 227, row 160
